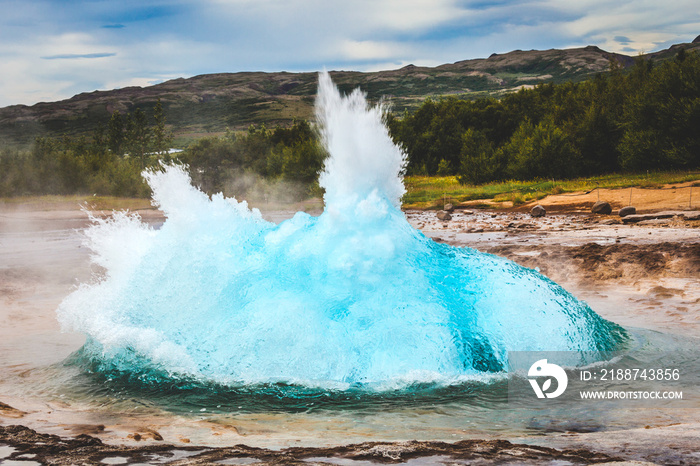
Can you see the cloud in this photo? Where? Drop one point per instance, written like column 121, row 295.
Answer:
column 370, row 50
column 50, row 49
column 79, row 55
column 647, row 24
column 413, row 15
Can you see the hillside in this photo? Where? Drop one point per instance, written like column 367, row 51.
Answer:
column 214, row 102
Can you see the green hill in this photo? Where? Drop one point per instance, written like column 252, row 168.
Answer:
column 212, row 103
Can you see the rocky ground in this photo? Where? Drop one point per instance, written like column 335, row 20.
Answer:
column 28, row 447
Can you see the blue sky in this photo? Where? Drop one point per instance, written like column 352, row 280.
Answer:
column 51, row 50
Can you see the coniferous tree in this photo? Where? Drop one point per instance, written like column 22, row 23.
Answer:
column 138, row 136
column 162, row 138
column 115, row 133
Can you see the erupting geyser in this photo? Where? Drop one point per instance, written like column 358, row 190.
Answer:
column 354, row 296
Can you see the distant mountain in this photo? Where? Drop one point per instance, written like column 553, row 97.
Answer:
column 212, row 103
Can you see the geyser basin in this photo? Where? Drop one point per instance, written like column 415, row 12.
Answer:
column 354, row 297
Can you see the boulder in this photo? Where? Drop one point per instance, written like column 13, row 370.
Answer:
column 538, row 211
column 448, row 207
column 625, row 211
column 444, row 216
column 602, row 208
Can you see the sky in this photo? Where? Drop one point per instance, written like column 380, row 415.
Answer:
column 51, row 50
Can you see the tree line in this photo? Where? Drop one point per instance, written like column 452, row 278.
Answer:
column 260, row 162
column 110, row 160
column 646, row 118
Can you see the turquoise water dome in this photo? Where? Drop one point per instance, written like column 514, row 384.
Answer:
column 353, row 297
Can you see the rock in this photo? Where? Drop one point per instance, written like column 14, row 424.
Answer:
column 52, row 449
column 610, row 221
column 145, row 434
column 670, row 214
column 88, row 429
column 601, row 208
column 444, row 216
column 655, row 222
column 636, row 218
column 448, row 207
column 538, row 211
column 9, row 411
column 625, row 211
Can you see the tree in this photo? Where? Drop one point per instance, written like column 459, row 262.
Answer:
column 211, row 161
column 661, row 119
column 303, row 161
column 538, row 151
column 479, row 163
column 115, row 133
column 138, row 136
column 162, row 138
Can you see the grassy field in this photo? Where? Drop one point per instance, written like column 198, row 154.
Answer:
column 424, row 192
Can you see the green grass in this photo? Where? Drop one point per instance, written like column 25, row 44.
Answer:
column 431, row 192
column 423, row 192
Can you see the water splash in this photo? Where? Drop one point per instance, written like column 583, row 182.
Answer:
column 353, row 297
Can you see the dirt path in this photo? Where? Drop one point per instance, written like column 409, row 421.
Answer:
column 679, row 196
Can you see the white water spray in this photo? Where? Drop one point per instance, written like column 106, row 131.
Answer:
column 355, row 296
